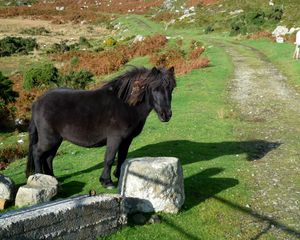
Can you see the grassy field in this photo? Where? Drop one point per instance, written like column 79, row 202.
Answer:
column 204, row 133
column 201, row 135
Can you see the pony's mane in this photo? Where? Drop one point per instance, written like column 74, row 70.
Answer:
column 132, row 85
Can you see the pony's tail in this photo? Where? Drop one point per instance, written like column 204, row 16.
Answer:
column 33, row 139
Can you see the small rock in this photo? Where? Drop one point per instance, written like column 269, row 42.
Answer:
column 40, row 188
column 28, row 195
column 42, row 180
column 3, row 203
column 60, row 8
column 236, row 12
column 280, row 31
column 6, row 188
column 279, row 39
column 138, row 38
column 154, row 219
column 92, row 193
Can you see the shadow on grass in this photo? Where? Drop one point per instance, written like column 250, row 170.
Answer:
column 70, row 188
column 88, row 170
column 189, row 152
column 202, row 186
column 260, row 217
column 198, row 188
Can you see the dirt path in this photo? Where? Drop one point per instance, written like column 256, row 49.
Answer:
column 270, row 110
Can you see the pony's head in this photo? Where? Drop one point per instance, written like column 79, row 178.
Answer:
column 152, row 86
column 160, row 91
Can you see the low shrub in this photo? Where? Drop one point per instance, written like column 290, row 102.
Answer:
column 209, row 29
column 275, row 14
column 256, row 17
column 78, row 80
column 39, row 75
column 195, row 44
column 99, row 49
column 109, row 42
column 109, row 60
column 167, row 58
column 74, row 60
column 26, row 98
column 18, row 2
column 84, row 42
column 12, row 153
column 7, row 96
column 179, row 42
column 177, row 58
column 238, row 26
column 255, row 20
column 63, row 46
column 35, row 31
column 59, row 48
column 12, row 45
column 259, row 35
column 165, row 16
column 196, row 53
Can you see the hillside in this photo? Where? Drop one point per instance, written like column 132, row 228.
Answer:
column 235, row 124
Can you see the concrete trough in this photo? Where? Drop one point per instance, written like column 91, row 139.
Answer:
column 83, row 217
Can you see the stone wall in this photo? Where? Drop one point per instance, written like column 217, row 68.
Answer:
column 83, row 217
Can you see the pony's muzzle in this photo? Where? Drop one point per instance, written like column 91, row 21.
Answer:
column 165, row 116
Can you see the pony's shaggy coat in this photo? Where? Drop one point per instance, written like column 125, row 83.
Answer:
column 112, row 115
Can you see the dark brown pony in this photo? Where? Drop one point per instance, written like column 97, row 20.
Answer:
column 112, row 115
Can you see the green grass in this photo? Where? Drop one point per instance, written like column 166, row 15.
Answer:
column 210, row 155
column 137, row 24
column 281, row 55
column 201, row 135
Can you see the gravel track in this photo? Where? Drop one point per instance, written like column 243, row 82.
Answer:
column 270, row 109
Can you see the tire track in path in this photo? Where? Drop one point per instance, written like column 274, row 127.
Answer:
column 270, row 110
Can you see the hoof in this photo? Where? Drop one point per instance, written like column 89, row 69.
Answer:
column 108, row 184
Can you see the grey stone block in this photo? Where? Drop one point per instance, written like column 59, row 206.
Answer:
column 83, row 217
column 6, row 188
column 40, row 188
column 152, row 184
column 29, row 195
column 42, row 180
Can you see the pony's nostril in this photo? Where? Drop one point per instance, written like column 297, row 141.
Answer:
column 169, row 114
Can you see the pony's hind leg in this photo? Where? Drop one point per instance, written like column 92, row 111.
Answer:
column 48, row 159
column 37, row 161
column 45, row 152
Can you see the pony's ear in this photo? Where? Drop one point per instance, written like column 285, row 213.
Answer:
column 154, row 70
column 171, row 70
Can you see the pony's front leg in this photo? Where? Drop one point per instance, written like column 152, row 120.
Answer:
column 122, row 154
column 112, row 148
